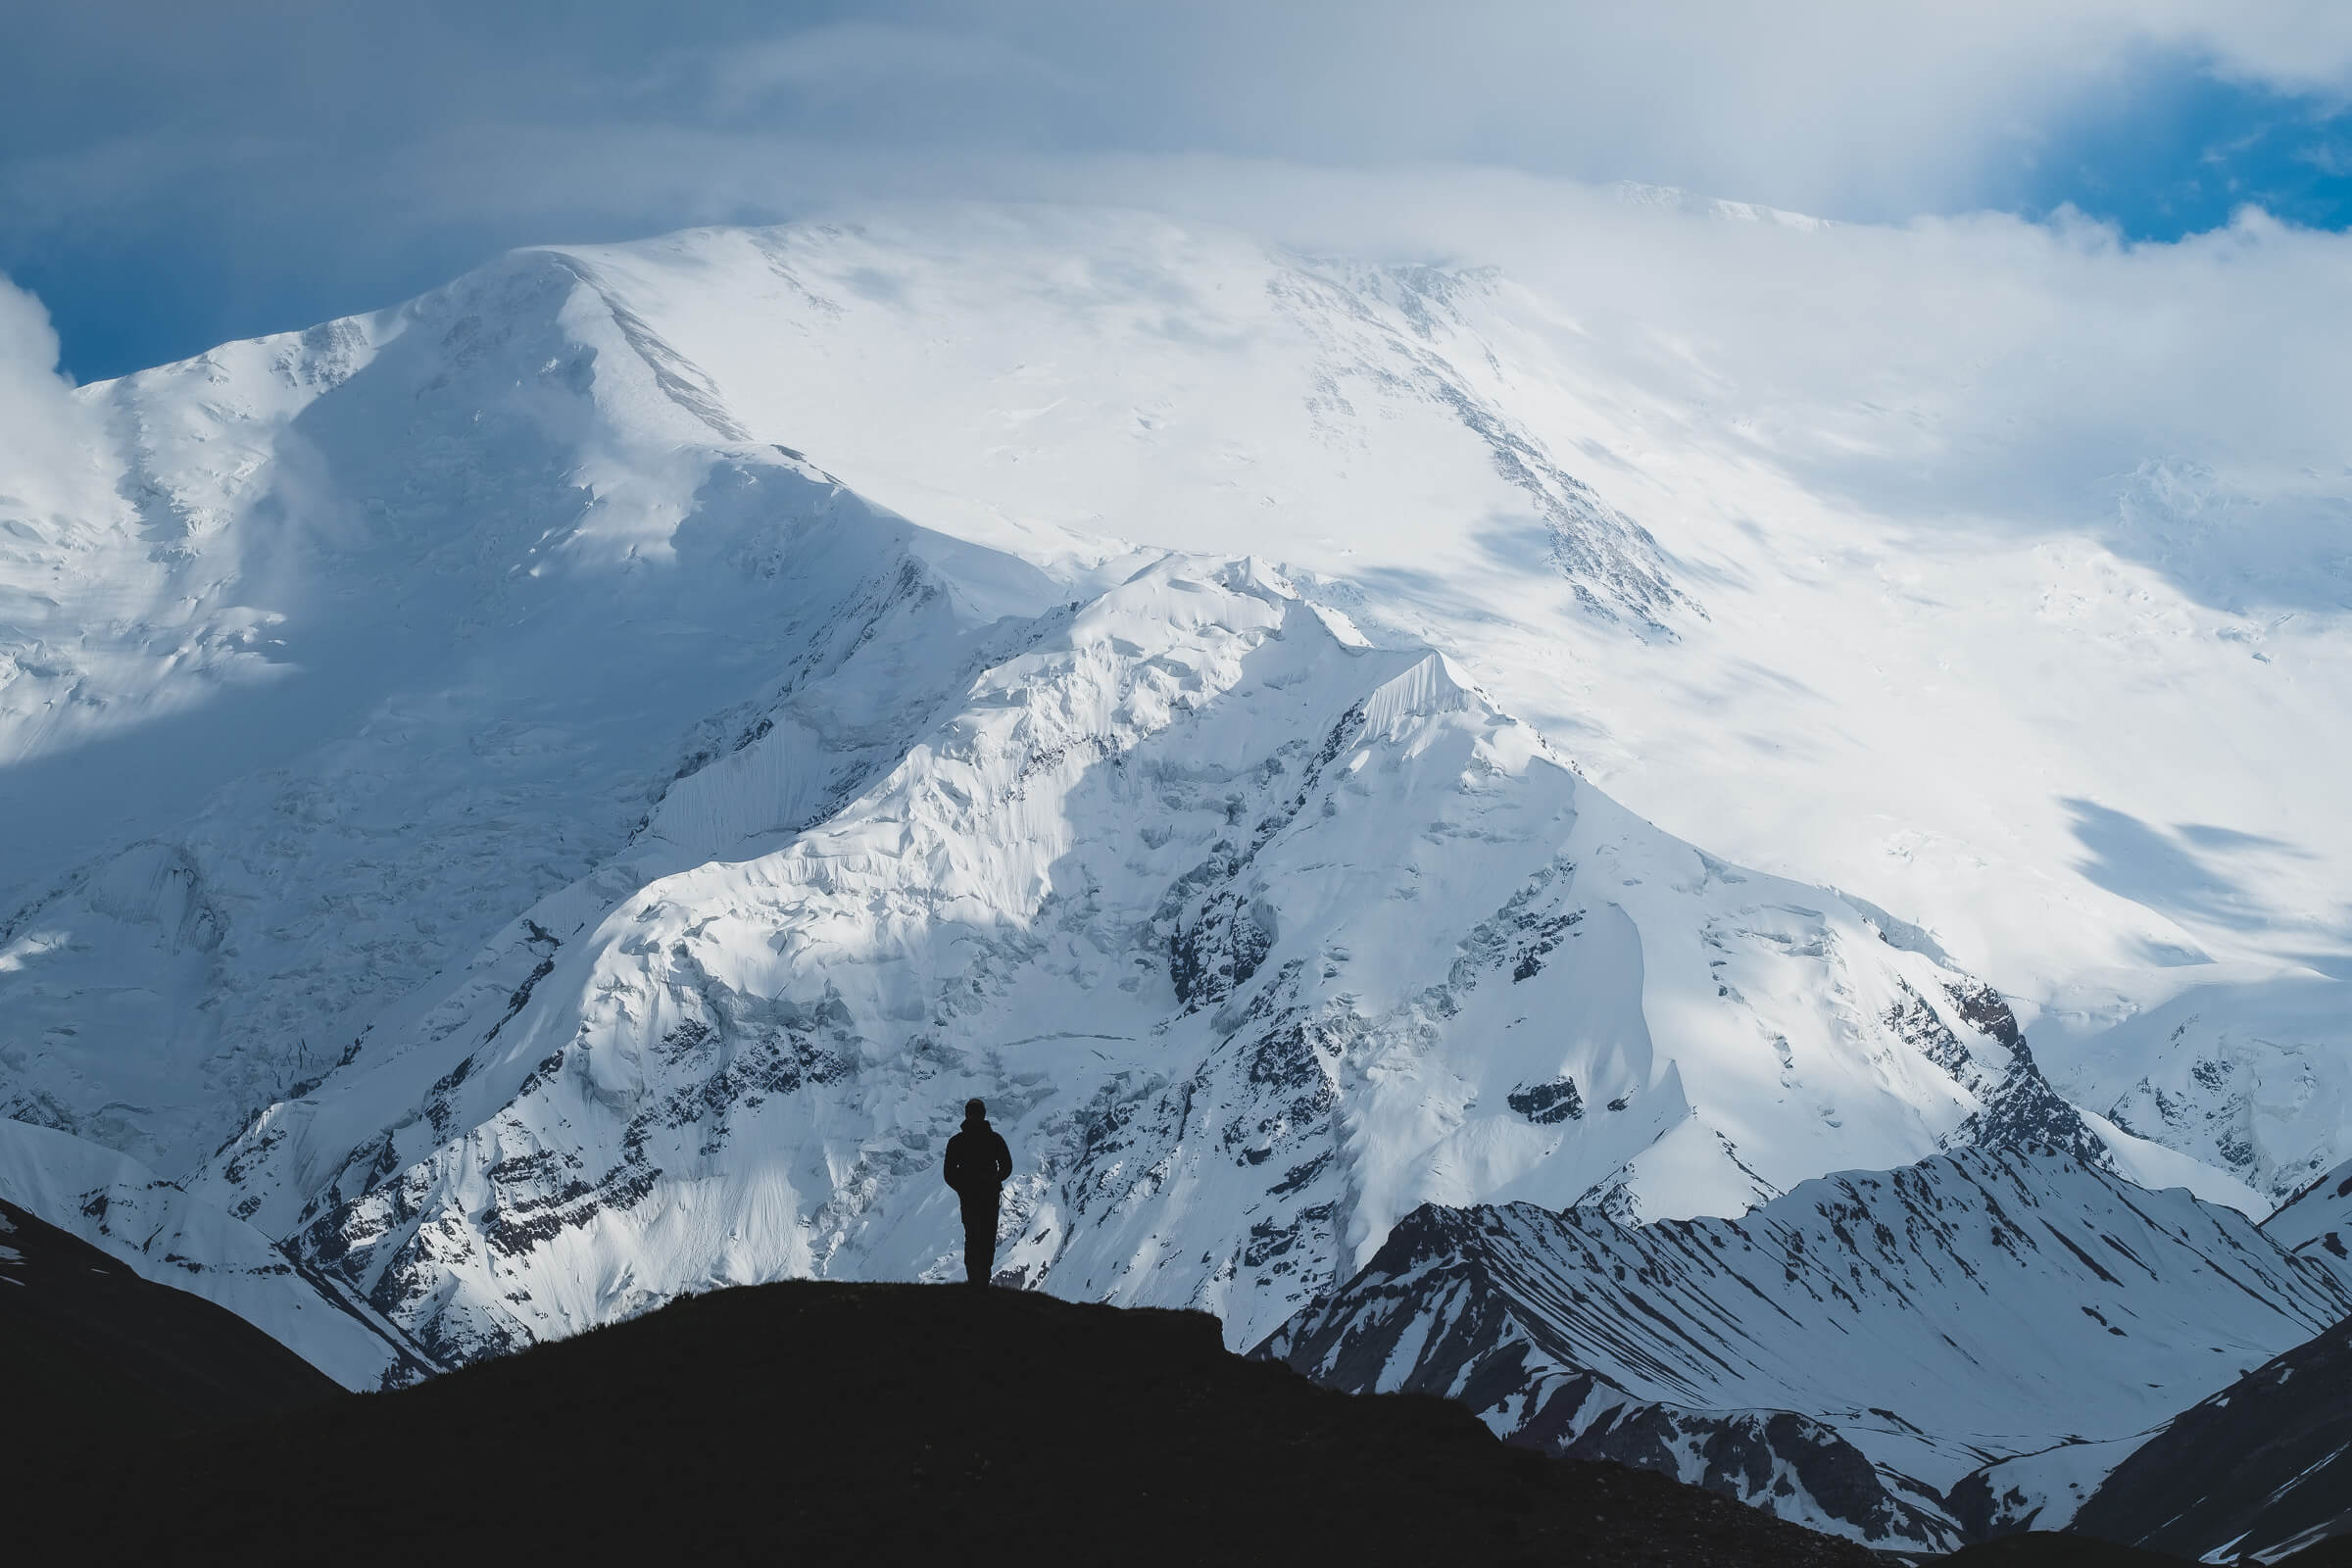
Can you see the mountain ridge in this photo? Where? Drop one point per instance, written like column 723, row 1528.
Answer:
column 1855, row 1353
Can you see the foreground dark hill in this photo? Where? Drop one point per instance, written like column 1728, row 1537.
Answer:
column 89, row 1351
column 887, row 1423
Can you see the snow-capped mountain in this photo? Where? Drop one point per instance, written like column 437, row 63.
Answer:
column 341, row 584
column 551, row 795
column 1254, row 938
column 1851, row 1354
column 2089, row 758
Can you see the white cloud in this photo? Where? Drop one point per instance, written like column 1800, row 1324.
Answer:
column 47, row 439
column 1979, row 372
column 41, row 424
column 1458, row 131
column 1849, row 105
column 1852, row 108
column 2294, row 45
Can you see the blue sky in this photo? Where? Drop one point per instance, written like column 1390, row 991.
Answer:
column 172, row 176
column 2183, row 151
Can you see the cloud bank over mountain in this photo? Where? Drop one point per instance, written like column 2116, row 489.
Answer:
column 170, row 181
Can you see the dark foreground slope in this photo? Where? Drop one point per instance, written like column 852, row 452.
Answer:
column 2052, row 1549
column 2266, row 1464
column 889, row 1423
column 89, row 1351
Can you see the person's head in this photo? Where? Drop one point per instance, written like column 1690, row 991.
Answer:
column 974, row 1110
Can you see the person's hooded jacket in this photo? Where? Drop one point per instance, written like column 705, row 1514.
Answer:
column 978, row 1161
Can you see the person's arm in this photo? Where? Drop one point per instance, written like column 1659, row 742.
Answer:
column 1003, row 1159
column 948, row 1167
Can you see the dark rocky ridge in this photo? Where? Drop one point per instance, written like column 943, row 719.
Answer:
column 2264, row 1463
column 884, row 1423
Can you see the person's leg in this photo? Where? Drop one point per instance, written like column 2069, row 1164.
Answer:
column 979, row 1239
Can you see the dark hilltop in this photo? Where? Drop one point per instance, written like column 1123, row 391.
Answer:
column 877, row 1423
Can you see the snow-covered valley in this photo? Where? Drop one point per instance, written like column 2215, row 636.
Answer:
column 550, row 796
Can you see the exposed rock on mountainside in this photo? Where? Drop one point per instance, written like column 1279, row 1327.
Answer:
column 2244, row 1077
column 2318, row 1219
column 1846, row 1354
column 894, row 1424
column 2038, row 1491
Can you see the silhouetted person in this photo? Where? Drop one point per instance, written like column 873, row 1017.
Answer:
column 977, row 1164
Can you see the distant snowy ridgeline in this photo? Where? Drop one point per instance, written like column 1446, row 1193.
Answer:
column 1859, row 1354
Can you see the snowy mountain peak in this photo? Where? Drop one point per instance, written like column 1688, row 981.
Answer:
column 1254, row 938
